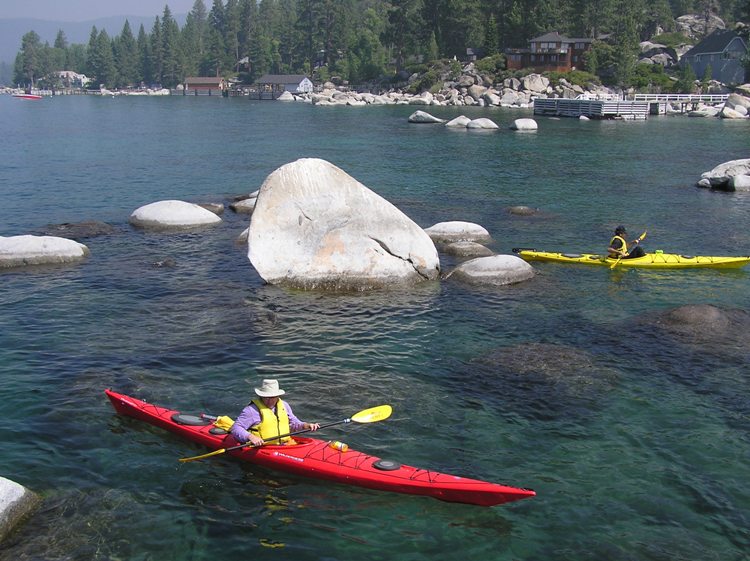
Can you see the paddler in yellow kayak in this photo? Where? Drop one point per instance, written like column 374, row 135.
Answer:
column 618, row 246
column 267, row 416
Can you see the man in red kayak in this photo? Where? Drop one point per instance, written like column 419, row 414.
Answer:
column 267, row 417
column 618, row 246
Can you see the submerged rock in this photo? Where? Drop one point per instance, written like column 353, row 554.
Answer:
column 704, row 325
column 315, row 226
column 521, row 210
column 79, row 230
column 542, row 380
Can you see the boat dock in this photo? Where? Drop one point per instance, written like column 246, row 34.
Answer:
column 592, row 108
column 640, row 107
column 683, row 103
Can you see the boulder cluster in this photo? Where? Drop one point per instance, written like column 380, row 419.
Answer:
column 471, row 88
column 474, row 89
column 733, row 175
column 312, row 226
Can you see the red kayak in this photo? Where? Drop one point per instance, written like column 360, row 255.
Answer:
column 312, row 457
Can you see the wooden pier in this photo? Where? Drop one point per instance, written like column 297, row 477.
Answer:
column 592, row 108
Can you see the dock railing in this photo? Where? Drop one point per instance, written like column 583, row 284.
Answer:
column 683, row 98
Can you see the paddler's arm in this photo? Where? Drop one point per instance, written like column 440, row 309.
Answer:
column 248, row 418
column 295, row 424
column 613, row 251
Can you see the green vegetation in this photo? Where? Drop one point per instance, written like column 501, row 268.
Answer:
column 672, row 40
column 360, row 40
column 651, row 78
column 574, row 77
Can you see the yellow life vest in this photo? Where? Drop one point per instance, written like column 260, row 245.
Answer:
column 624, row 245
column 271, row 424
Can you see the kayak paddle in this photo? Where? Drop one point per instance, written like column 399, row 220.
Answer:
column 372, row 415
column 638, row 240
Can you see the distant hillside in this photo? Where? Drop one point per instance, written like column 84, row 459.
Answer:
column 12, row 30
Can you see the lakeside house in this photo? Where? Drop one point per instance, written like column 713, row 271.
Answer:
column 549, row 52
column 722, row 50
column 277, row 84
column 204, row 85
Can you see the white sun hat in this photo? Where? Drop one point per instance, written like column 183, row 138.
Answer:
column 269, row 388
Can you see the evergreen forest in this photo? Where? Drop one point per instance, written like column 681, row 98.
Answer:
column 360, row 41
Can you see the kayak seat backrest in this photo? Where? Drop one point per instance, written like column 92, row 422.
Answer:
column 190, row 420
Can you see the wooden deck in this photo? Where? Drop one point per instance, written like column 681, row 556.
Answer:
column 682, row 102
column 593, row 109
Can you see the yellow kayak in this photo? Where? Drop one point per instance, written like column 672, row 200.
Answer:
column 657, row 260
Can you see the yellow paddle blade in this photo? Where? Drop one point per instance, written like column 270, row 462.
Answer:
column 373, row 415
column 214, row 453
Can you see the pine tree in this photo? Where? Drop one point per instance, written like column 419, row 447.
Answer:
column 194, row 37
column 172, row 71
column 126, row 57
column 404, row 23
column 28, row 61
column 156, row 59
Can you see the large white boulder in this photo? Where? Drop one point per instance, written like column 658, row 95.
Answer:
column 18, row 251
column 524, row 125
column 496, row 270
column 721, row 176
column 482, row 123
column 315, row 226
column 165, row 215
column 458, row 231
column 424, row 117
column 16, row 503
column 740, row 183
column 459, row 122
column 535, row 83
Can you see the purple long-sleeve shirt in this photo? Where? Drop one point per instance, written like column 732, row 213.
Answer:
column 250, row 416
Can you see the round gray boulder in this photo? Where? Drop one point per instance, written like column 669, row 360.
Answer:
column 314, row 226
column 458, row 231
column 19, row 251
column 16, row 503
column 168, row 215
column 496, row 270
column 524, row 125
column 424, row 117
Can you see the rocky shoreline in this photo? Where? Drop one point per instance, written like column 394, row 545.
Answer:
column 474, row 89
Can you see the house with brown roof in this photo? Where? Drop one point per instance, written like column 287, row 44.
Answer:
column 204, row 85
column 722, row 50
column 549, row 52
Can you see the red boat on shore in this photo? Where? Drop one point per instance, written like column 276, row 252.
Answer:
column 311, row 457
